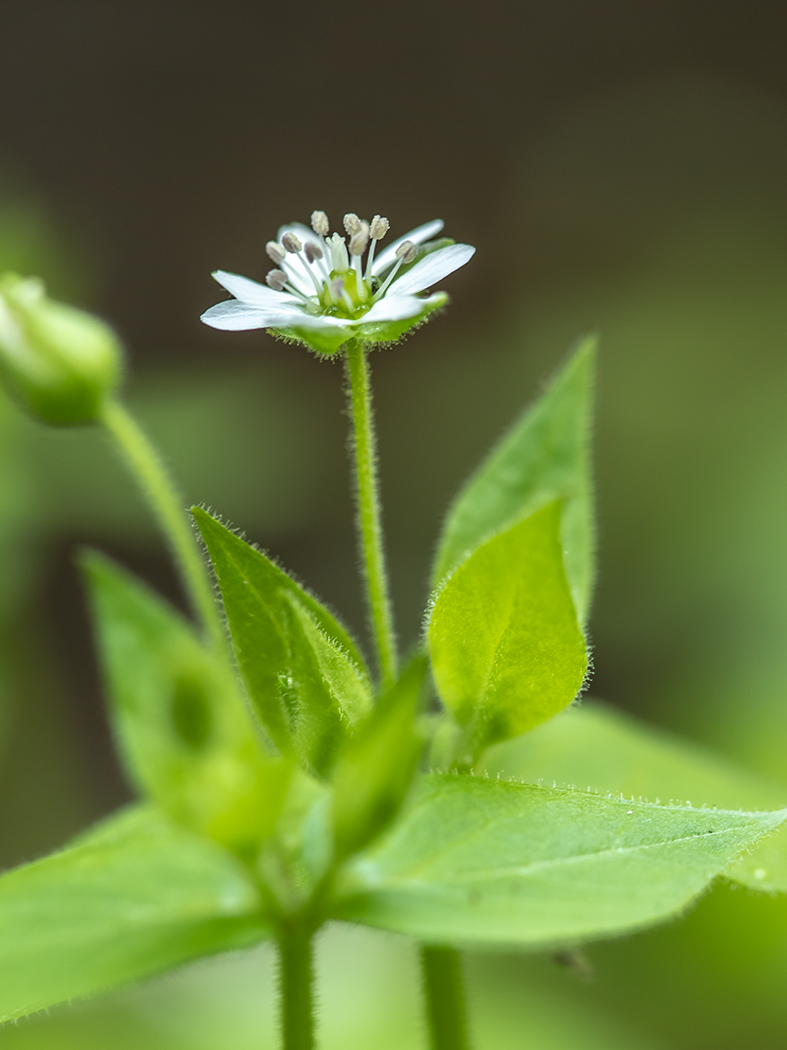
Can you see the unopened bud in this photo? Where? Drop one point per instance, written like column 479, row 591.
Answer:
column 312, row 251
column 352, row 223
column 275, row 251
column 379, row 228
column 360, row 241
column 406, row 251
column 276, row 279
column 291, row 243
column 320, row 223
column 60, row 363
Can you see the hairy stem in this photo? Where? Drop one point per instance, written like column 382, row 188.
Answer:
column 295, row 986
column 369, row 523
column 162, row 496
column 445, row 999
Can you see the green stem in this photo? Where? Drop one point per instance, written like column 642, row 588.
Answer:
column 152, row 477
column 369, row 523
column 445, row 999
column 295, row 985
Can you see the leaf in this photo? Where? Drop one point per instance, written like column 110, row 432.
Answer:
column 507, row 651
column 484, row 861
column 597, row 747
column 137, row 896
column 187, row 739
column 376, row 767
column 305, row 676
column 544, row 457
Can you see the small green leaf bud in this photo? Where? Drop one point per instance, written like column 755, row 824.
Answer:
column 59, row 363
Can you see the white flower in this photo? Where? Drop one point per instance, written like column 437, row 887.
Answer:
column 322, row 294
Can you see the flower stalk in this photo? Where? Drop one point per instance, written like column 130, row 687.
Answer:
column 444, row 996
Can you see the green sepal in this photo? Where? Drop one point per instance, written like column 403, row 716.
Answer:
column 506, row 648
column 375, row 768
column 479, row 861
column 136, row 896
column 605, row 750
column 545, row 456
column 304, row 675
column 186, row 735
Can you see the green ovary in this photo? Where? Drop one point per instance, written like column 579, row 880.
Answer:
column 358, row 292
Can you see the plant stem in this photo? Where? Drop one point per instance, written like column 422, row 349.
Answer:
column 163, row 498
column 445, row 999
column 369, row 523
column 295, row 985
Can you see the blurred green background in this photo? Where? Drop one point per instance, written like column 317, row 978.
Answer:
column 621, row 167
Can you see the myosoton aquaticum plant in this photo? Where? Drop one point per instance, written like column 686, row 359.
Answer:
column 459, row 796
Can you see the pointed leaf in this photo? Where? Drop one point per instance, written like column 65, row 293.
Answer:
column 186, row 736
column 506, row 648
column 304, row 674
column 136, row 897
column 605, row 750
column 484, row 861
column 376, row 767
column 544, row 457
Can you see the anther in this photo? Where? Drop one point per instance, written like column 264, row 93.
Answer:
column 360, row 240
column 379, row 228
column 352, row 223
column 407, row 252
column 312, row 251
column 291, row 243
column 320, row 223
column 276, row 279
column 275, row 251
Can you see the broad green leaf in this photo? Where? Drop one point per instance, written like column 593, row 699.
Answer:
column 185, row 734
column 377, row 764
column 303, row 672
column 507, row 651
column 596, row 747
column 543, row 458
column 485, row 861
column 137, row 896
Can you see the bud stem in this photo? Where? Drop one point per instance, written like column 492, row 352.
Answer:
column 369, row 516
column 151, row 475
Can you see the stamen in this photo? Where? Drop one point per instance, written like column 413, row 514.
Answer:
column 276, row 279
column 405, row 253
column 359, row 242
column 320, row 223
column 275, row 251
column 352, row 224
column 377, row 231
column 312, row 251
column 291, row 243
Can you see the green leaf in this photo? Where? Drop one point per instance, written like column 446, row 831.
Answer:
column 136, row 897
column 544, row 457
column 304, row 674
column 484, row 861
column 185, row 734
column 376, row 767
column 605, row 750
column 507, row 651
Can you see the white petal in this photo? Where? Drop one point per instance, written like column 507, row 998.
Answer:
column 236, row 316
column 396, row 308
column 252, row 292
column 432, row 268
column 420, row 234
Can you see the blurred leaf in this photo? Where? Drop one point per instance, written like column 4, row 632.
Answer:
column 137, row 896
column 184, row 731
column 544, row 457
column 507, row 651
column 605, row 750
column 376, row 766
column 476, row 860
column 304, row 674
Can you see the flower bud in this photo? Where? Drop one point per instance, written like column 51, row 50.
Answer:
column 59, row 363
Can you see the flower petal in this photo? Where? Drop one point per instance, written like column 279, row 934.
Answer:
column 387, row 256
column 252, row 292
column 396, row 308
column 432, row 268
column 236, row 316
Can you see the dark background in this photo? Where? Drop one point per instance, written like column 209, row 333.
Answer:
column 621, row 167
